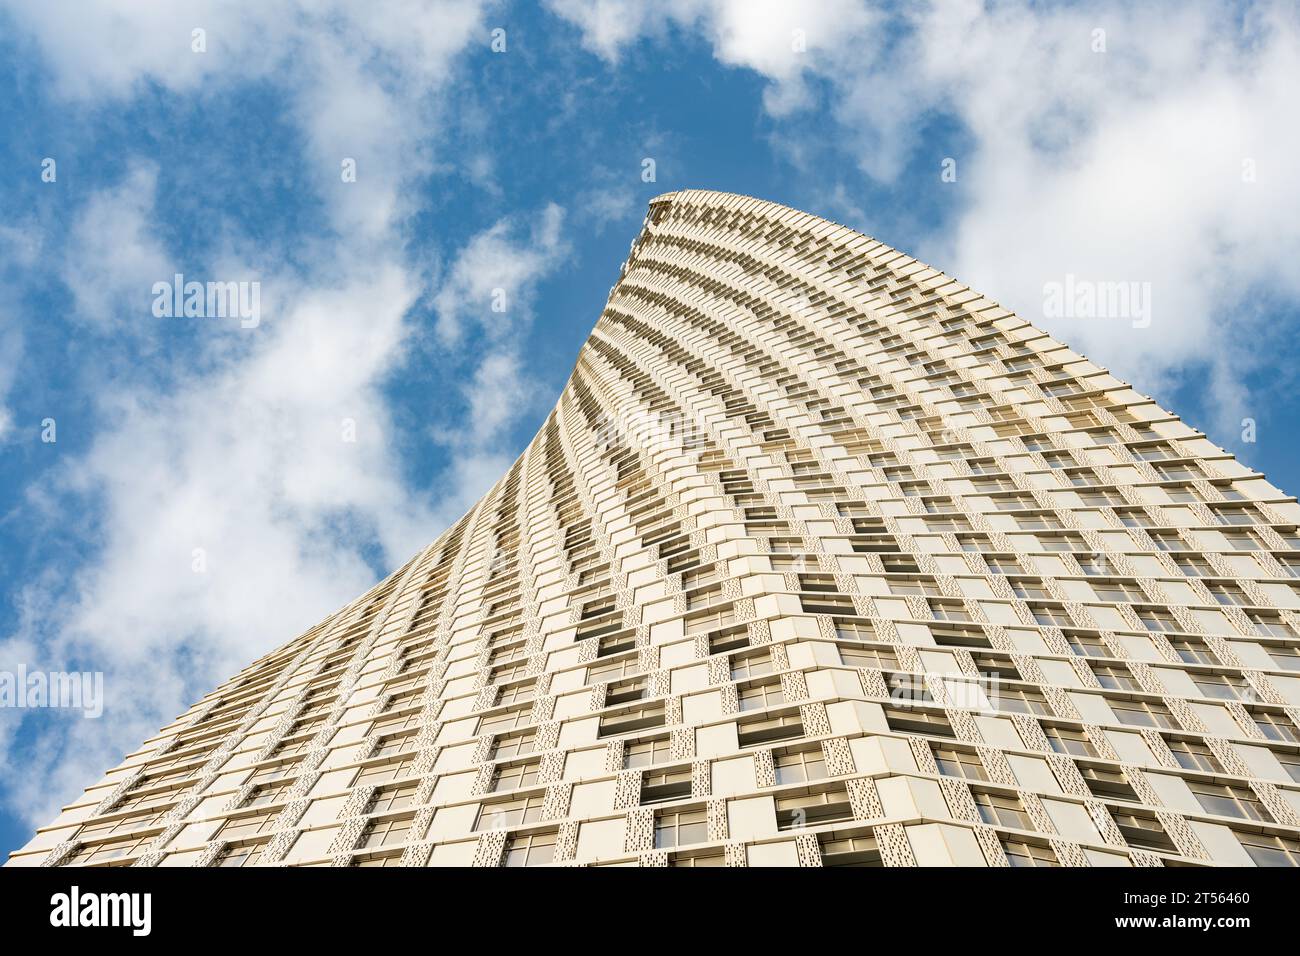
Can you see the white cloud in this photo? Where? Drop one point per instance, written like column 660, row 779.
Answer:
column 1123, row 165
column 251, row 464
column 114, row 255
column 249, row 470
column 776, row 38
column 490, row 284
column 511, row 256
column 359, row 77
column 609, row 205
column 243, row 455
column 20, row 248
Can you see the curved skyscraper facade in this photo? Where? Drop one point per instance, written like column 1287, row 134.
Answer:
column 822, row 558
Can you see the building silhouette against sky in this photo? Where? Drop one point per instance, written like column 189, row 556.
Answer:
column 821, row 559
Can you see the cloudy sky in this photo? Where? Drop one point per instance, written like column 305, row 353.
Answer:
column 380, row 169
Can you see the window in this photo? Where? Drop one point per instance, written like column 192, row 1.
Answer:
column 517, row 693
column 1228, row 595
column 854, row 630
column 1081, row 477
column 634, row 718
column 111, row 852
column 1194, row 755
column 698, row 859
column 1143, row 830
column 912, row 720
column 997, row 809
column 1102, row 498
column 948, row 611
column 386, row 833
column 1118, row 592
column 1002, row 564
column 1285, row 656
column 393, row 798
column 1095, row 563
column 1137, row 713
column 1049, row 616
column 660, row 785
column 827, row 604
column 1223, row 686
column 1270, row 850
column 1193, row 565
column 513, row 813
column 959, row 763
column 1065, row 740
column 514, row 745
column 1275, row 727
column 392, row 744
column 705, row 621
column 250, row 854
column 800, row 767
column 1157, row 619
column 1290, row 763
column 1168, row 541
column 1114, row 677
column 104, row 828
column 922, row 587
column 612, row 644
column 1229, row 801
column 760, row 697
column 276, row 772
column 813, row 809
column 767, row 729
column 730, row 639
column 851, row 851
column 530, row 849
column 1025, row 853
column 516, row 776
column 908, row 687
column 643, row 753
column 1018, row 700
column 954, row 636
column 268, row 793
column 1271, row 624
column 1132, row 517
column 680, row 827
column 239, row 828
column 612, row 670
column 1086, row 645
column 821, row 583
column 751, row 665
column 625, row 691
column 382, row 773
column 1242, row 540
column 868, row 657
column 1108, row 784
column 1030, row 589
column 1192, row 650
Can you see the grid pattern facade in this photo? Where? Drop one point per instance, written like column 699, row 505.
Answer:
column 821, row 559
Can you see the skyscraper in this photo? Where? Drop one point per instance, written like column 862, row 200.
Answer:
column 821, row 559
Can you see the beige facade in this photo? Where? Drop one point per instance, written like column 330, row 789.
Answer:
column 821, row 559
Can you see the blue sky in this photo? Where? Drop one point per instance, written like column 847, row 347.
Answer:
column 1160, row 151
